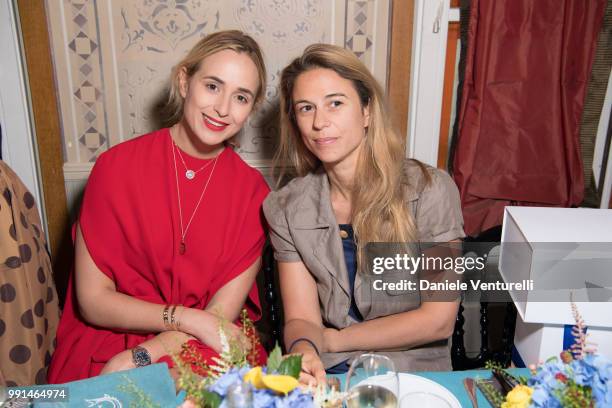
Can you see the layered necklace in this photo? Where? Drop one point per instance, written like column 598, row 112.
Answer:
column 189, row 174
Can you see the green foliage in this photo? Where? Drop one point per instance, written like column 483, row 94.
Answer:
column 492, row 394
column 193, row 384
column 493, row 365
column 291, row 365
column 140, row 399
column 274, row 360
column 575, row 396
column 234, row 354
column 552, row 359
column 209, row 400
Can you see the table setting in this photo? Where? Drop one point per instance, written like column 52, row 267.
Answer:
column 577, row 377
column 372, row 382
column 435, row 389
column 152, row 386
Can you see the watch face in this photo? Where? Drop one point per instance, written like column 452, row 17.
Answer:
column 141, row 356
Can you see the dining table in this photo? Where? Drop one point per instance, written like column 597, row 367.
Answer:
column 154, row 384
column 453, row 381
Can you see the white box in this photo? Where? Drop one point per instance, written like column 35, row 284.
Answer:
column 563, row 250
column 537, row 342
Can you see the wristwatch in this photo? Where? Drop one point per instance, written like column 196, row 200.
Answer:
column 140, row 356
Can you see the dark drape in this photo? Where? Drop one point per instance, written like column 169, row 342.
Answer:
column 527, row 66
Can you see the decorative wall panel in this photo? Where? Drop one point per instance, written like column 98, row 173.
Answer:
column 113, row 59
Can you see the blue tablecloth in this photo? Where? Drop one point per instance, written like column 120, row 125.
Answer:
column 151, row 385
column 156, row 383
column 453, row 381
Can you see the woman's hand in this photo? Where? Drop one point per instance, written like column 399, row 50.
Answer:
column 204, row 326
column 165, row 343
column 313, row 371
column 120, row 362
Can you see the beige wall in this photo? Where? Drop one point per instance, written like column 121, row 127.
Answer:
column 112, row 59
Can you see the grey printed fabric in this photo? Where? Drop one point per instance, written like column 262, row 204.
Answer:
column 29, row 311
column 303, row 228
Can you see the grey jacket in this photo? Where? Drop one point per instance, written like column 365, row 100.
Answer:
column 303, row 228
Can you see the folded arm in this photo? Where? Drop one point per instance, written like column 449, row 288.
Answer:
column 430, row 322
column 102, row 305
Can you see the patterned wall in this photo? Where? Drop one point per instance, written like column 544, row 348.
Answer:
column 112, row 59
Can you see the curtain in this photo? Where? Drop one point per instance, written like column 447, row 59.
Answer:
column 527, row 68
column 593, row 104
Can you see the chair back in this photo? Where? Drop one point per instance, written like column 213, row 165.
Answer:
column 29, row 311
column 271, row 303
column 495, row 345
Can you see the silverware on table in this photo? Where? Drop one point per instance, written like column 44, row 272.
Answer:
column 470, row 387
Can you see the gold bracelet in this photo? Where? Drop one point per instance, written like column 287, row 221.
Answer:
column 173, row 318
column 178, row 318
column 165, row 317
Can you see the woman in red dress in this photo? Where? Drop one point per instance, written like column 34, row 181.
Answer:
column 169, row 238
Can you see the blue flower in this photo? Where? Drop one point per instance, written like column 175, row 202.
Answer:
column 295, row 399
column 268, row 399
column 603, row 366
column 263, row 398
column 602, row 381
column 543, row 398
column 545, row 375
column 544, row 384
column 582, row 371
column 592, row 371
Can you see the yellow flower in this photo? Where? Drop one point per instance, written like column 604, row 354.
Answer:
column 282, row 384
column 254, row 376
column 519, row 397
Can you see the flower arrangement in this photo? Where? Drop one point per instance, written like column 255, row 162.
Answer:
column 273, row 385
column 578, row 378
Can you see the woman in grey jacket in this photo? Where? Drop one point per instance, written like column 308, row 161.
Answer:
column 353, row 187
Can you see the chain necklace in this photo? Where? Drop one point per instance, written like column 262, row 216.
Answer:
column 190, row 174
column 183, row 247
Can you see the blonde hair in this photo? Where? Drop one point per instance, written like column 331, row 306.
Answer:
column 379, row 210
column 222, row 40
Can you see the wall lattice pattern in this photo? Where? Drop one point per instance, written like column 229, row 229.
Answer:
column 112, row 59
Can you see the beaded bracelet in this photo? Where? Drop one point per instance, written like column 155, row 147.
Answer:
column 307, row 340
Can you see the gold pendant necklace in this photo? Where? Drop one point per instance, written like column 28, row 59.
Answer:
column 190, row 174
column 182, row 246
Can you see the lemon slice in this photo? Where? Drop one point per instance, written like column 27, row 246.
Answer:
column 282, row 384
column 254, row 376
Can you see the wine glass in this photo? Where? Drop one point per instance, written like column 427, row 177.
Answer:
column 372, row 382
column 239, row 395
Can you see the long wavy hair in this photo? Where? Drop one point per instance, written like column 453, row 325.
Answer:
column 222, row 40
column 379, row 210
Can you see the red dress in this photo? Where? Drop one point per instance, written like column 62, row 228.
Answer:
column 130, row 223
